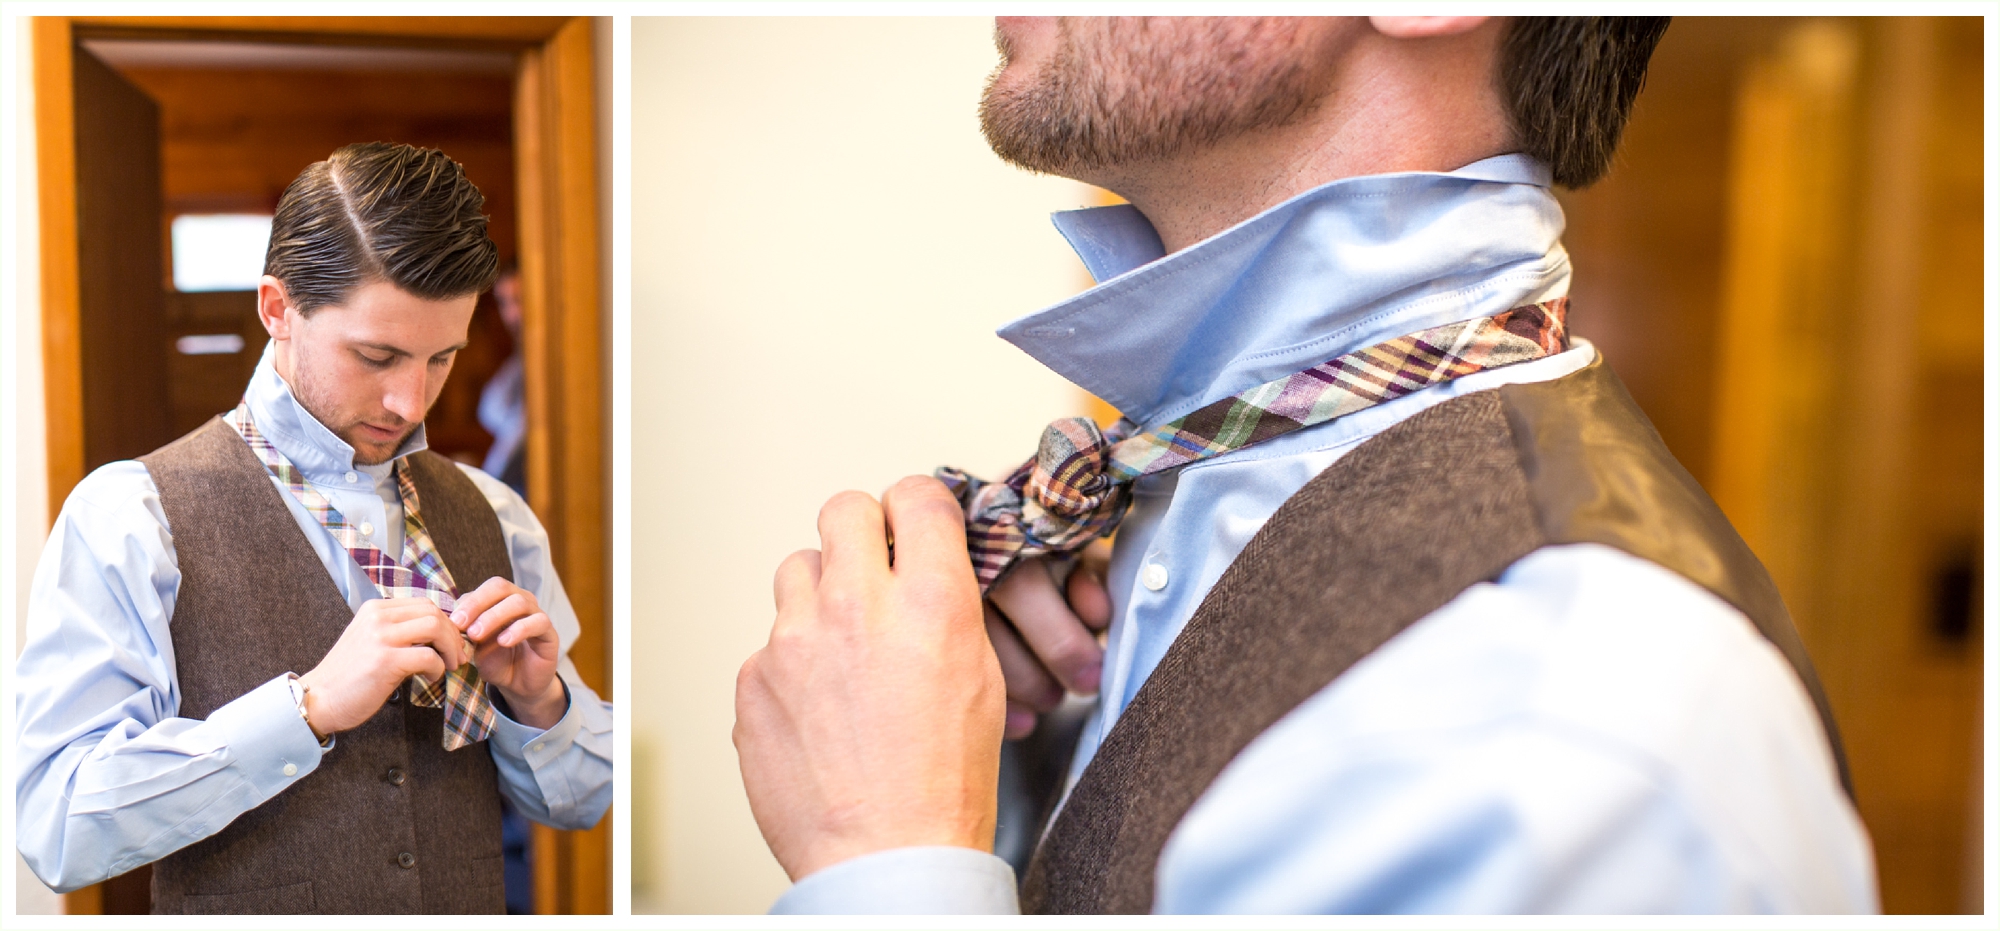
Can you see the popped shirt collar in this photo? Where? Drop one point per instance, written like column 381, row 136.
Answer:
column 322, row 456
column 1344, row 265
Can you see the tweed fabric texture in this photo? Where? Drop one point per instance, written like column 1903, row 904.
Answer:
column 1077, row 488
column 254, row 602
column 1385, row 536
column 469, row 715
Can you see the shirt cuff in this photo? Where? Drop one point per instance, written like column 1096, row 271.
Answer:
column 907, row 881
column 269, row 743
column 535, row 746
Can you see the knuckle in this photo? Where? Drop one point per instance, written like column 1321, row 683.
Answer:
column 840, row 603
column 846, row 502
column 798, row 563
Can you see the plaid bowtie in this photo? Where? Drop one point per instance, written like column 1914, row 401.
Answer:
column 468, row 714
column 1079, row 485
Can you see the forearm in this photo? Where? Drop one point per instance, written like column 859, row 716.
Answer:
column 124, row 796
column 561, row 776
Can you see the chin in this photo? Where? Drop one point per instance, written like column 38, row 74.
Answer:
column 369, row 452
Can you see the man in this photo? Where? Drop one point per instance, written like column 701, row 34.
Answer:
column 293, row 659
column 1411, row 611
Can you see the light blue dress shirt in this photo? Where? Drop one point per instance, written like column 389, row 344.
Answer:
column 1589, row 733
column 111, row 778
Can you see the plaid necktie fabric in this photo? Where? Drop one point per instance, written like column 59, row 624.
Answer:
column 469, row 714
column 1079, row 485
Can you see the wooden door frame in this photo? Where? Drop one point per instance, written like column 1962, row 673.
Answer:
column 555, row 139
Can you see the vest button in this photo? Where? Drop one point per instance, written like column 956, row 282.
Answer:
column 406, row 860
column 396, row 776
column 396, row 697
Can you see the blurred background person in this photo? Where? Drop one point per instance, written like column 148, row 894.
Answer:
column 503, row 403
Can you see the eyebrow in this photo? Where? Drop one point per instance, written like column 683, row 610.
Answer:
column 399, row 352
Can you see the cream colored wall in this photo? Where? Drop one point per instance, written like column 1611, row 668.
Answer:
column 822, row 247
column 23, row 458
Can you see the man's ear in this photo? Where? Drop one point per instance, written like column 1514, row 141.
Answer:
column 272, row 302
column 1425, row 27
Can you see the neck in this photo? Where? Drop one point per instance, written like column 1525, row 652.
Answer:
column 1391, row 106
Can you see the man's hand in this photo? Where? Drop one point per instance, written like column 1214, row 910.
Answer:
column 515, row 648
column 1047, row 638
column 872, row 719
column 388, row 641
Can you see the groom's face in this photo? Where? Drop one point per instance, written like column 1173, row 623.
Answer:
column 1078, row 96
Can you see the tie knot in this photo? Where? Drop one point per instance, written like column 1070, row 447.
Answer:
column 1057, row 502
column 1069, row 480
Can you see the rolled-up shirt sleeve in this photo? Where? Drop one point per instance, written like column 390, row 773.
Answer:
column 109, row 776
column 560, row 777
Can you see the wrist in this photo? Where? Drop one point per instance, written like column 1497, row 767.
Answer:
column 302, row 697
column 833, row 850
column 540, row 711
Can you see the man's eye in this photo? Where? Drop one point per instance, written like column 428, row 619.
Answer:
column 443, row 359
column 381, row 363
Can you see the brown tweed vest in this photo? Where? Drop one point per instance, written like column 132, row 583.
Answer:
column 1399, row 526
column 390, row 822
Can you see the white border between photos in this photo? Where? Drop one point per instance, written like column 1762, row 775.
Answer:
column 12, row 25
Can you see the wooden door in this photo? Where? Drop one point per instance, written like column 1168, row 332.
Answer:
column 119, row 253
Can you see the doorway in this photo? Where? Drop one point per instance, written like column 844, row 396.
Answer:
column 158, row 131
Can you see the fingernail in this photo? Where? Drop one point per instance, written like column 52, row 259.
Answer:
column 1020, row 722
column 1088, row 680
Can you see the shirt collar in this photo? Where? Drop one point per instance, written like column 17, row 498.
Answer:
column 321, row 455
column 1344, row 265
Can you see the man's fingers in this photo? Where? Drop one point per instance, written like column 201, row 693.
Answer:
column 1020, row 720
column 503, row 612
column 1028, row 597
column 1087, row 595
column 853, row 539
column 433, row 630
column 481, row 600
column 525, row 629
column 929, row 527
column 398, row 610
column 420, row 661
column 795, row 587
column 1028, row 684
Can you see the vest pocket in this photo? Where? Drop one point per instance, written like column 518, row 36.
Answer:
column 295, row 899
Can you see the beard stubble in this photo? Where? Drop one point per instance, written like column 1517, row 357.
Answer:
column 1132, row 90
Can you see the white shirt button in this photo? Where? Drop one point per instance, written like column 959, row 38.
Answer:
column 1154, row 576
column 366, row 528
column 291, row 769
column 352, row 478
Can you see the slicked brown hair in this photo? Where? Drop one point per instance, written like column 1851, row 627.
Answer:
column 1569, row 83
column 380, row 211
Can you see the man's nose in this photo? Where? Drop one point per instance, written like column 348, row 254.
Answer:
column 407, row 391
